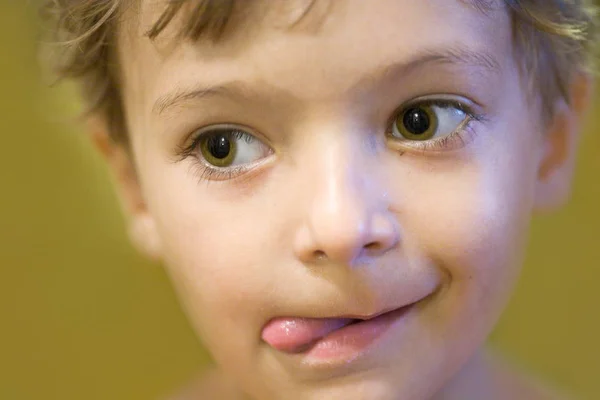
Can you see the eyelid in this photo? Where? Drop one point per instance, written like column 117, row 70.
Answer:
column 463, row 133
column 467, row 106
column 207, row 172
column 190, row 142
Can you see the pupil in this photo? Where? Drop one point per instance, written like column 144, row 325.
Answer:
column 416, row 121
column 219, row 146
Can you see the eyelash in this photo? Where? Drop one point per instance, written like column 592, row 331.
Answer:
column 211, row 173
column 453, row 141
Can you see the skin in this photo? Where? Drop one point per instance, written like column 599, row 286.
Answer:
column 338, row 218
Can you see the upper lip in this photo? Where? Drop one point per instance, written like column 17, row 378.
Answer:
column 361, row 316
column 375, row 315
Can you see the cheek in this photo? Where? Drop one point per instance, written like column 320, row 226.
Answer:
column 219, row 253
column 471, row 217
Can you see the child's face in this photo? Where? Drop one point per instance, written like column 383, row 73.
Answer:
column 353, row 185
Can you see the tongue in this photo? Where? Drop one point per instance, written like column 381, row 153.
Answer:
column 292, row 334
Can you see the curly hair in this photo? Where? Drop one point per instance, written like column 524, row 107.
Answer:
column 554, row 39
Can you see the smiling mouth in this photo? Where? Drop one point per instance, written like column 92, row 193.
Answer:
column 325, row 339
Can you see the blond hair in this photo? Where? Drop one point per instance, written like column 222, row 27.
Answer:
column 554, row 40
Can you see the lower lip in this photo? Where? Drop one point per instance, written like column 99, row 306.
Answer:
column 352, row 341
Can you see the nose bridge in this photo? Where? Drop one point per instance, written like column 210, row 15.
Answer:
column 341, row 188
column 346, row 215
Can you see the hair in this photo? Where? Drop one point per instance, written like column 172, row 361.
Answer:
column 554, row 39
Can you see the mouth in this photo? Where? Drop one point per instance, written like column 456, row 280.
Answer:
column 327, row 339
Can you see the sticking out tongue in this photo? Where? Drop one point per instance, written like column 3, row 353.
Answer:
column 293, row 334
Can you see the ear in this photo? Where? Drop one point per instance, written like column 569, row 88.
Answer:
column 559, row 145
column 141, row 225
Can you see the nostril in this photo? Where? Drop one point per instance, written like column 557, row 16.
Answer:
column 320, row 255
column 373, row 246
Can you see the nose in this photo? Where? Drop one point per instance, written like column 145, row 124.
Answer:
column 348, row 218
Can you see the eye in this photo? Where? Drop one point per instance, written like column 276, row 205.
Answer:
column 423, row 122
column 225, row 147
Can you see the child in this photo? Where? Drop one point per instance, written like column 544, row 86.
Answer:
column 339, row 190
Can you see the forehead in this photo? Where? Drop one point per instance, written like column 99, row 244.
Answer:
column 303, row 45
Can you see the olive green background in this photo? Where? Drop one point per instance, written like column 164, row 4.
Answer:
column 83, row 317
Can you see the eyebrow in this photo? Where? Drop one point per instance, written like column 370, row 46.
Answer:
column 459, row 56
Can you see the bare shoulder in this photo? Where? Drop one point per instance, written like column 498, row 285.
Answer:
column 208, row 385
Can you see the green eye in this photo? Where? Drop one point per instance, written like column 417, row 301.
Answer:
column 224, row 147
column 429, row 121
column 417, row 123
column 218, row 149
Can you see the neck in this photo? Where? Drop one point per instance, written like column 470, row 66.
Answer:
column 475, row 379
